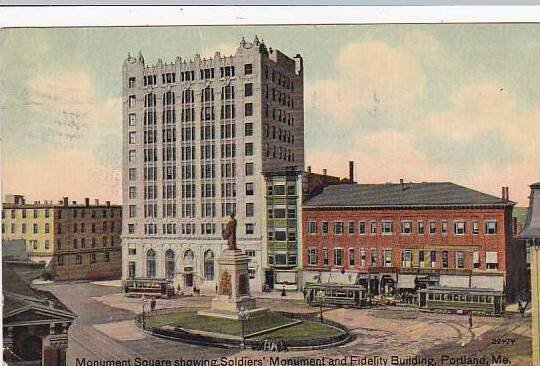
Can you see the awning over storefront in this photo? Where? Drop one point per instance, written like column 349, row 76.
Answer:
column 406, row 281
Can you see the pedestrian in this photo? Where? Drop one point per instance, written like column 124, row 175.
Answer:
column 283, row 293
column 470, row 321
column 522, row 309
column 153, row 305
column 216, row 288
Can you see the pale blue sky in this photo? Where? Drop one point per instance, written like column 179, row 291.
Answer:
column 422, row 102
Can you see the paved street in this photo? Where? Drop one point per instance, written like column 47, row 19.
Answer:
column 105, row 330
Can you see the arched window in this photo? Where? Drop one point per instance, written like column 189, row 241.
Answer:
column 209, row 265
column 169, row 264
column 151, row 263
column 189, row 258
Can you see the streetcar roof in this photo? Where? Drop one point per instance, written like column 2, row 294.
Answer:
column 461, row 290
column 336, row 286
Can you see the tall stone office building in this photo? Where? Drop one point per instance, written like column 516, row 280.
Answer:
column 198, row 138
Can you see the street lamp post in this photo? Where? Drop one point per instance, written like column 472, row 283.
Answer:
column 243, row 315
column 321, row 295
column 143, row 320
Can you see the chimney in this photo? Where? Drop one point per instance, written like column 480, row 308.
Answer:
column 96, row 202
column 503, row 193
column 324, row 171
column 87, row 202
column 351, row 172
column 108, row 203
column 402, row 184
column 309, row 169
column 507, row 194
column 515, row 225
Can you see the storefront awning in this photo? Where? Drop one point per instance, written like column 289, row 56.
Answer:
column 406, row 281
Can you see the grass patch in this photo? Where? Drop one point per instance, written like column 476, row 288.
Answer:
column 189, row 319
column 167, row 319
column 304, row 330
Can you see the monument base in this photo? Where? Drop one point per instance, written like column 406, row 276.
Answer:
column 233, row 294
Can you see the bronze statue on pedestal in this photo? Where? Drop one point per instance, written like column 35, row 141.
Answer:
column 230, row 232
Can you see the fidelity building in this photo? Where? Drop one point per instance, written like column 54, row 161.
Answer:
column 400, row 237
column 198, row 137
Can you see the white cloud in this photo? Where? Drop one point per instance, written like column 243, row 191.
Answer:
column 74, row 128
column 370, row 77
column 395, row 148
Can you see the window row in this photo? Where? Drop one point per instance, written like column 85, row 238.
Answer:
column 81, row 259
column 386, row 227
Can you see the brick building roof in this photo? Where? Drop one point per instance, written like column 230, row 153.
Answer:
column 403, row 195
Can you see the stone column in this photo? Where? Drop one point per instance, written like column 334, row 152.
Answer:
column 535, row 298
column 55, row 346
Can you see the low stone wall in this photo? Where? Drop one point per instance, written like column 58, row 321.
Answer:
column 183, row 335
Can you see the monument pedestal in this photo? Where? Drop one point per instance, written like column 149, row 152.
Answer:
column 233, row 287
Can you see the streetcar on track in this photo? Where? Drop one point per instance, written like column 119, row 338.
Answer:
column 336, row 294
column 461, row 299
column 148, row 287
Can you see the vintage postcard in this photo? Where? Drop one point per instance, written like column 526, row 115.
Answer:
column 282, row 195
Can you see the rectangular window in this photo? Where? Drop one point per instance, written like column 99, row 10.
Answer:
column 248, row 149
column 312, row 227
column 475, row 228
column 249, row 169
column 406, row 227
column 387, row 258
column 249, row 189
column 420, row 227
column 459, row 227
column 132, row 174
column 35, row 228
column 432, row 227
column 444, row 227
column 460, row 260
column 131, row 101
column 248, row 69
column 249, row 229
column 248, row 89
column 248, row 109
column 362, row 227
column 476, row 259
column 132, row 137
column 373, row 257
column 132, row 192
column 406, row 258
column 132, row 121
column 325, row 227
column 351, row 227
column 325, row 256
column 351, row 257
column 373, row 227
column 131, row 156
column 445, row 259
column 338, row 227
column 492, row 260
column 491, row 227
column 387, row 227
column 338, row 257
column 312, row 256
column 131, row 82
column 248, row 129
column 250, row 209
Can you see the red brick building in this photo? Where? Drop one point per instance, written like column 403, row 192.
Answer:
column 404, row 236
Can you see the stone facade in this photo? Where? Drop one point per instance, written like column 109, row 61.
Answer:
column 76, row 241
column 198, row 134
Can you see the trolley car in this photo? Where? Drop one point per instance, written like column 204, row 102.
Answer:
column 336, row 294
column 148, row 287
column 461, row 299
